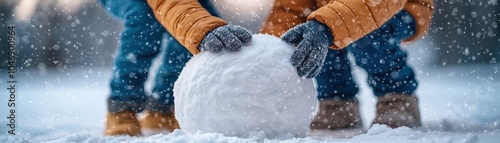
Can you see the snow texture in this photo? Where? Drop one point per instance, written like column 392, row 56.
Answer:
column 253, row 91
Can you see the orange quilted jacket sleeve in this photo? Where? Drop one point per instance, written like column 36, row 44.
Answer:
column 348, row 20
column 286, row 14
column 186, row 20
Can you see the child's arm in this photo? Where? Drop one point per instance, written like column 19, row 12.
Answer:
column 285, row 15
column 421, row 10
column 186, row 20
column 349, row 20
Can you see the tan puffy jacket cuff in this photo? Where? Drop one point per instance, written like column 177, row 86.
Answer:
column 350, row 20
column 422, row 13
column 285, row 15
column 186, row 20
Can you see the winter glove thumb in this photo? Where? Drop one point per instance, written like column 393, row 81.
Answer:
column 312, row 39
column 229, row 37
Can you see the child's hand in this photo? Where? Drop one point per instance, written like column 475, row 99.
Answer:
column 312, row 39
column 229, row 37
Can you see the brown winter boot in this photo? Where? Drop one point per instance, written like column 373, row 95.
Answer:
column 156, row 122
column 336, row 114
column 122, row 123
column 396, row 110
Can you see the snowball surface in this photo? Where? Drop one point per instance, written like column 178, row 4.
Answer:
column 253, row 91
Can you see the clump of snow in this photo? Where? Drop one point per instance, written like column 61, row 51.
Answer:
column 246, row 93
column 178, row 136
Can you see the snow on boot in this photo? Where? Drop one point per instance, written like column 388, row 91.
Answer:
column 396, row 110
column 156, row 122
column 122, row 123
column 336, row 119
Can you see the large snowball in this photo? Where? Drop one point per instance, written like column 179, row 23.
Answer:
column 241, row 93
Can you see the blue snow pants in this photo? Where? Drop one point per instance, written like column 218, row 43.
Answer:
column 140, row 42
column 380, row 54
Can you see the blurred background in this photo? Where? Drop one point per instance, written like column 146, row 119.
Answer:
column 62, row 34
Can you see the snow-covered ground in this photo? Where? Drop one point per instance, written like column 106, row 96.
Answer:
column 458, row 104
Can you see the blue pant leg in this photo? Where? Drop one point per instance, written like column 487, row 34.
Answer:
column 380, row 54
column 335, row 80
column 176, row 56
column 140, row 42
column 174, row 60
